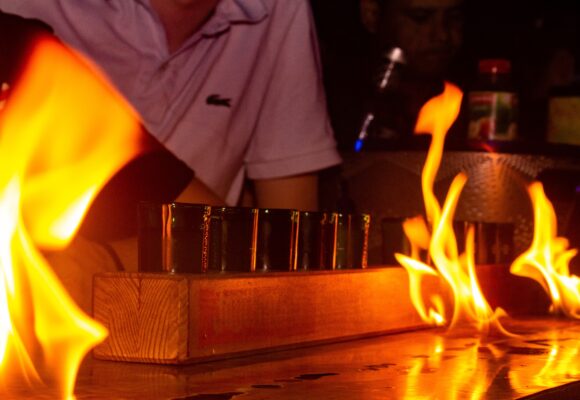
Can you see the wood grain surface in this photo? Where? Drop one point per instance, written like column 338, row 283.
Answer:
column 147, row 318
column 175, row 319
column 172, row 319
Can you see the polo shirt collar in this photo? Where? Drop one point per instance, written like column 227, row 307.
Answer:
column 230, row 12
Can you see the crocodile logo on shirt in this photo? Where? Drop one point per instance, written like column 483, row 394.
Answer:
column 216, row 100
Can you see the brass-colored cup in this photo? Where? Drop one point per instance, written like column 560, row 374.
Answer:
column 173, row 237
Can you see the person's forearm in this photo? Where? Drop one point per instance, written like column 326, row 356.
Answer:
column 298, row 192
column 197, row 192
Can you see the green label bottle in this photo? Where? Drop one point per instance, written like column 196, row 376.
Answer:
column 493, row 103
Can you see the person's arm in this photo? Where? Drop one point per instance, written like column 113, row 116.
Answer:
column 294, row 192
column 292, row 138
column 197, row 192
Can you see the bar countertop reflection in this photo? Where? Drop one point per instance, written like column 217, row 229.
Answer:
column 416, row 365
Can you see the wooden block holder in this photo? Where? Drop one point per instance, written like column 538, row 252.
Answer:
column 175, row 319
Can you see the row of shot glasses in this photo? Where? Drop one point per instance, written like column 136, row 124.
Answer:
column 198, row 238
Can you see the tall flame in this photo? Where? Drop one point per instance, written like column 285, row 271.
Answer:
column 547, row 260
column 63, row 133
column 436, row 235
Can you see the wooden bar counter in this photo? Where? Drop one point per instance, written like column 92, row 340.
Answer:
column 542, row 363
column 273, row 350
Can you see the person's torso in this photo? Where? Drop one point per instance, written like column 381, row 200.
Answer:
column 203, row 100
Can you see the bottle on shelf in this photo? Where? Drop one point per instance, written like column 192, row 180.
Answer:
column 388, row 72
column 493, row 102
column 564, row 114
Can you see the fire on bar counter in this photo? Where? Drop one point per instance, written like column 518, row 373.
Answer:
column 275, row 199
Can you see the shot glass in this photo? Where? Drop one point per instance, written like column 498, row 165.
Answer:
column 232, row 242
column 277, row 239
column 351, row 243
column 173, row 237
column 315, row 241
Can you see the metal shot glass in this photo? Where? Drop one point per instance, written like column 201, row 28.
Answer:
column 232, row 241
column 351, row 240
column 277, row 239
column 315, row 241
column 173, row 237
column 494, row 241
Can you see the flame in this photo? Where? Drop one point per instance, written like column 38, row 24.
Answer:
column 63, row 133
column 547, row 259
column 436, row 236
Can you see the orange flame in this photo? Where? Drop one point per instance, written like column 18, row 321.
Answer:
column 63, row 133
column 547, row 259
column 437, row 237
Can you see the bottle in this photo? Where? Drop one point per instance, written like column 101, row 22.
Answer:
column 493, row 102
column 393, row 59
column 564, row 114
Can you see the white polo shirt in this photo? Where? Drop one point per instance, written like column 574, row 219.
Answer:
column 242, row 97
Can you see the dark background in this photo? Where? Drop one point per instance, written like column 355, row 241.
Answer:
column 527, row 33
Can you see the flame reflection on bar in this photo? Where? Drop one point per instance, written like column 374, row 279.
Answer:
column 560, row 364
column 63, row 133
column 468, row 375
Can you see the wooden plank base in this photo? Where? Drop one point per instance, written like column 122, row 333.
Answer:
column 175, row 319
